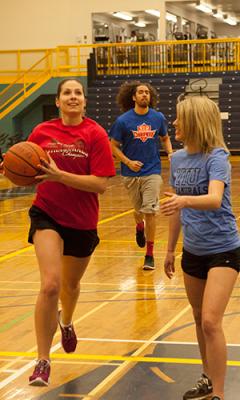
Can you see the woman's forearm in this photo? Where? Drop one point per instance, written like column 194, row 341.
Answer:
column 173, row 231
column 87, row 183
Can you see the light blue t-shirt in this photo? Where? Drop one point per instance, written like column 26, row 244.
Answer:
column 139, row 137
column 205, row 231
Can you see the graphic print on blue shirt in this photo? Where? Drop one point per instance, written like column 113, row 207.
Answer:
column 188, row 182
column 144, row 132
column 205, row 231
column 139, row 138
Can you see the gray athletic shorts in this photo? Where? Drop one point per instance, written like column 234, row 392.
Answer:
column 144, row 192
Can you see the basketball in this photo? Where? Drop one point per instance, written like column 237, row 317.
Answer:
column 21, row 162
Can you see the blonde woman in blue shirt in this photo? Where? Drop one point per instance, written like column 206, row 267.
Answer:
column 201, row 176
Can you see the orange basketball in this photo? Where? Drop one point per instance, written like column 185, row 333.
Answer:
column 21, row 162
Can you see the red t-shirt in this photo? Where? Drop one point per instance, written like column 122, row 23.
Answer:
column 83, row 149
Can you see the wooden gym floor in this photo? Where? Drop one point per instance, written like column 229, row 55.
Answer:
column 135, row 328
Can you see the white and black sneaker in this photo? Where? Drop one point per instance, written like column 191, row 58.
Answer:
column 201, row 391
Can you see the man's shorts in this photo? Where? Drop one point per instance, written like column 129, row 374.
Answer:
column 198, row 266
column 76, row 242
column 144, row 192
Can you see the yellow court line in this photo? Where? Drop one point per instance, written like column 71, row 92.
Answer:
column 13, row 211
column 114, row 376
column 103, row 221
column 157, row 286
column 97, row 357
column 76, row 396
column 123, row 214
column 25, row 249
column 15, row 253
column 126, row 292
column 67, row 362
column 33, row 349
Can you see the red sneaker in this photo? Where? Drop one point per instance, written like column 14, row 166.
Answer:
column 40, row 376
column 69, row 338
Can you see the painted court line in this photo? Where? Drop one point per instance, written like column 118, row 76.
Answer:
column 25, row 249
column 103, row 221
column 146, row 341
column 14, row 211
column 157, row 286
column 122, row 369
column 23, row 369
column 114, row 357
column 30, row 364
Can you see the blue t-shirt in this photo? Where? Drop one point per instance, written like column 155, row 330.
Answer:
column 139, row 137
column 205, row 231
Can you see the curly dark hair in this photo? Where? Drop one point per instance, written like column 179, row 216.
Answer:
column 128, row 89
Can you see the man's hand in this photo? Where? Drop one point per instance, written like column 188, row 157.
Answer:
column 134, row 165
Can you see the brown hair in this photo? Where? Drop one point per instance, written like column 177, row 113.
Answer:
column 60, row 85
column 128, row 89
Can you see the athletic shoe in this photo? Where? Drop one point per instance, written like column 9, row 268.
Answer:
column 140, row 238
column 40, row 376
column 202, row 390
column 69, row 338
column 148, row 263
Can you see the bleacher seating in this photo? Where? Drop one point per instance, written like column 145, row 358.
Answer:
column 102, row 107
column 228, row 103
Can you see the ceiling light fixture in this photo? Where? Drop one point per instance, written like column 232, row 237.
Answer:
column 171, row 17
column 123, row 16
column 156, row 13
column 206, row 8
column 217, row 14
column 140, row 24
column 230, row 20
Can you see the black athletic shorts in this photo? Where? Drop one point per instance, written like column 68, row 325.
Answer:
column 199, row 266
column 77, row 242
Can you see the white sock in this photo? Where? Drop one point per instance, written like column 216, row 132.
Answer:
column 62, row 324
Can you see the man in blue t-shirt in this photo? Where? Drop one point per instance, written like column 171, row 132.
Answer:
column 135, row 142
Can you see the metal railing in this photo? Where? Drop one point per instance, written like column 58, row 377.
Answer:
column 26, row 70
column 168, row 57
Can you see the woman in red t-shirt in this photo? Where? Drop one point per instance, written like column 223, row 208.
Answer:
column 64, row 216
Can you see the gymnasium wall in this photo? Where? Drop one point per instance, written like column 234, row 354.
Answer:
column 35, row 24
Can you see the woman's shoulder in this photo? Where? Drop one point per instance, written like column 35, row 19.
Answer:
column 179, row 154
column 219, row 155
column 219, row 152
column 46, row 125
column 51, row 122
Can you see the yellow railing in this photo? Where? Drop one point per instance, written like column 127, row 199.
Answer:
column 26, row 70
column 25, row 84
column 183, row 56
column 167, row 56
column 65, row 60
